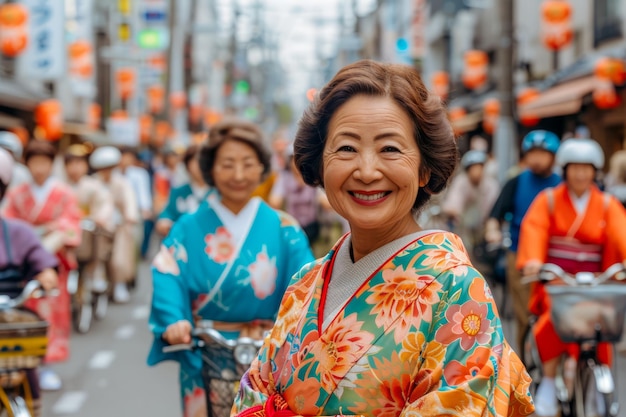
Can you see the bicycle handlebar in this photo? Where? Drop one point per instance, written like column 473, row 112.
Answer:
column 549, row 272
column 214, row 336
column 32, row 289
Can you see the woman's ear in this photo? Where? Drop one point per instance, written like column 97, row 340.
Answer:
column 424, row 178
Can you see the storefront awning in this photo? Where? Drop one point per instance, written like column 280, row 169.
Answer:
column 19, row 96
column 560, row 100
column 97, row 137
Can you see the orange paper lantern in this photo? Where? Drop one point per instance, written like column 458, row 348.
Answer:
column 49, row 119
column 162, row 131
column 556, row 24
column 178, row 100
column 80, row 59
column 455, row 114
column 441, row 84
column 604, row 96
column 119, row 114
column 13, row 29
column 211, row 117
column 93, row 116
column 611, row 69
column 475, row 69
column 526, row 96
column 146, row 123
column 491, row 113
column 125, row 78
column 156, row 99
column 311, row 93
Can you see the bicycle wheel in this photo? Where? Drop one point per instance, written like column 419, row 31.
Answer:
column 530, row 358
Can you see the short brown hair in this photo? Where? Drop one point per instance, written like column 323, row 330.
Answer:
column 190, row 153
column 232, row 129
column 39, row 148
column 432, row 130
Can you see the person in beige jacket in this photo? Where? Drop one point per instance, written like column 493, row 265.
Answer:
column 123, row 263
column 97, row 205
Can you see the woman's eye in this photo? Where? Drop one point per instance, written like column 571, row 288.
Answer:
column 346, row 148
column 390, row 149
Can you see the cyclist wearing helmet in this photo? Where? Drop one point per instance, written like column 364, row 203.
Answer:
column 12, row 143
column 588, row 223
column 538, row 149
column 470, row 197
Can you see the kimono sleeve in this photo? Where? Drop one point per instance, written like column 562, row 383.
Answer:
column 534, row 232
column 36, row 258
column 10, row 209
column 466, row 367
column 69, row 221
column 170, row 212
column 170, row 297
column 615, row 250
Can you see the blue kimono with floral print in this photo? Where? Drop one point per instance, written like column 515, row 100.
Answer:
column 197, row 252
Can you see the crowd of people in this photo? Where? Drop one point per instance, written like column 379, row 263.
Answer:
column 395, row 317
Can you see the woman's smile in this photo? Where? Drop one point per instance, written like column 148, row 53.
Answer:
column 369, row 198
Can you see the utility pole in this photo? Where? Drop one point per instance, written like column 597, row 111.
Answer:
column 505, row 140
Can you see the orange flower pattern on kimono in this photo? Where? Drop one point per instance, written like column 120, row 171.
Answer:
column 421, row 337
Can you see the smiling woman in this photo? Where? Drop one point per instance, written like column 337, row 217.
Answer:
column 394, row 320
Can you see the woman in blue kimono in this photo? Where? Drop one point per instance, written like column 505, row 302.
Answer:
column 228, row 262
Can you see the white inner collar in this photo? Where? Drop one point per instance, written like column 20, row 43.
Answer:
column 580, row 203
column 237, row 224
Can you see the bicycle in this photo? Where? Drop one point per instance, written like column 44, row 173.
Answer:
column 23, row 344
column 586, row 310
column 88, row 302
column 224, row 361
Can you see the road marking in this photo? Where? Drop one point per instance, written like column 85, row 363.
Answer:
column 70, row 402
column 102, row 360
column 141, row 312
column 125, row 332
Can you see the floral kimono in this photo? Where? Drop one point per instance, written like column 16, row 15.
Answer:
column 420, row 337
column 219, row 266
column 54, row 212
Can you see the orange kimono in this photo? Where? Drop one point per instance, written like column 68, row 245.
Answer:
column 554, row 216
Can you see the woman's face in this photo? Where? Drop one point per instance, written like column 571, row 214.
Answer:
column 40, row 168
column 195, row 173
column 371, row 162
column 237, row 172
column 76, row 169
column 579, row 177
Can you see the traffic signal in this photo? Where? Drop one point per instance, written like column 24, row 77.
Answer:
column 242, row 87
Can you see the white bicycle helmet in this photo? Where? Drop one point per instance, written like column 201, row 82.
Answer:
column 580, row 151
column 105, row 157
column 11, row 143
column 6, row 166
column 473, row 158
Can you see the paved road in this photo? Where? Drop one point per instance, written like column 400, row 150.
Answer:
column 107, row 374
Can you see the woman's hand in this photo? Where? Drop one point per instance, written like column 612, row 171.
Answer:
column 48, row 279
column 178, row 333
column 532, row 268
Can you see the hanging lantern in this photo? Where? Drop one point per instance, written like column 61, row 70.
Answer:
column 612, row 69
column 156, row 99
column 119, row 114
column 475, row 69
column 178, row 100
column 604, row 96
column 22, row 134
column 93, row 116
column 145, row 128
column 455, row 114
column 49, row 119
column 80, row 59
column 441, row 84
column 211, row 117
column 556, row 24
column 491, row 113
column 525, row 97
column 13, row 29
column 125, row 78
column 195, row 113
column 162, row 131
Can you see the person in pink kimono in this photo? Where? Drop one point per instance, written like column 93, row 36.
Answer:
column 51, row 207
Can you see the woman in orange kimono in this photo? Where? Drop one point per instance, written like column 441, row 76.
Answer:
column 51, row 207
column 588, row 223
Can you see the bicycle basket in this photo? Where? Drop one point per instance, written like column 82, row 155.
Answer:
column 221, row 375
column 23, row 339
column 577, row 311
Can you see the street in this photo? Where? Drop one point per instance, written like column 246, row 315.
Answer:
column 107, row 373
